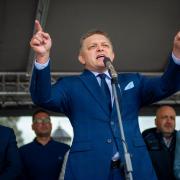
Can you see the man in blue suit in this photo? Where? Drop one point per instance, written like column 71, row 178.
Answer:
column 97, row 151
column 10, row 164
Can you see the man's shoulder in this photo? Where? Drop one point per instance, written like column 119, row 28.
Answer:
column 6, row 130
column 4, row 127
column 149, row 131
column 6, row 134
column 69, row 78
column 129, row 76
column 27, row 146
column 152, row 139
column 60, row 143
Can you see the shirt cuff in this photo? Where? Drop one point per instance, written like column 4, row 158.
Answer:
column 41, row 66
column 175, row 59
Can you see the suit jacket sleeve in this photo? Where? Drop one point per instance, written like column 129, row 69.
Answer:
column 55, row 98
column 157, row 88
column 11, row 167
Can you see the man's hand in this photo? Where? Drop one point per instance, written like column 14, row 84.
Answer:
column 41, row 44
column 176, row 47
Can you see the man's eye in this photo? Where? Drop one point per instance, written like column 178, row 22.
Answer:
column 92, row 46
column 172, row 118
column 105, row 45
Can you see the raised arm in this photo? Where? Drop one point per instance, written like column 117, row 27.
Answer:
column 41, row 44
column 176, row 45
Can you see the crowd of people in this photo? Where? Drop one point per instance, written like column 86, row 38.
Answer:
column 88, row 101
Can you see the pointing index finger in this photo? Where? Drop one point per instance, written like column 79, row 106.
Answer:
column 38, row 27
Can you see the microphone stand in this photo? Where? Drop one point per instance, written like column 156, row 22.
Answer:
column 127, row 157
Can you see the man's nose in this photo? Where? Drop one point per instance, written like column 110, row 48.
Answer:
column 169, row 120
column 100, row 48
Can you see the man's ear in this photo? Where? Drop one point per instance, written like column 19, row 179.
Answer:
column 81, row 59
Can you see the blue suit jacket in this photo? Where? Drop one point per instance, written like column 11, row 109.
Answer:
column 80, row 99
column 10, row 164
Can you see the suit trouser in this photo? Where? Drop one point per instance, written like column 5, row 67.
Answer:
column 116, row 172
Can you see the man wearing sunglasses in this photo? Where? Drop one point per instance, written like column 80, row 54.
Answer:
column 42, row 159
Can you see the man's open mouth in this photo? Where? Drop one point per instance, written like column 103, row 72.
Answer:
column 100, row 57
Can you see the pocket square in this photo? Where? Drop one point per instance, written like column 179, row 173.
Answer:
column 130, row 85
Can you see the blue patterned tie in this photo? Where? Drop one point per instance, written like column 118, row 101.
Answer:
column 105, row 90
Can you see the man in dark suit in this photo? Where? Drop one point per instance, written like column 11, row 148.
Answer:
column 42, row 158
column 10, row 164
column 97, row 151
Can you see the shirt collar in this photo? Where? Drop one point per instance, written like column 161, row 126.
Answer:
column 105, row 72
column 37, row 142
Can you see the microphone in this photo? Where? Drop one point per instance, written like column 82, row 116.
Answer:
column 110, row 67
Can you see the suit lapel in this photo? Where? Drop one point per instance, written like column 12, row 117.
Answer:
column 90, row 82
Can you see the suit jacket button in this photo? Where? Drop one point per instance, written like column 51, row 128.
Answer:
column 112, row 122
column 109, row 140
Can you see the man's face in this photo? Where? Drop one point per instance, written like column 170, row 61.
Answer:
column 165, row 120
column 42, row 125
column 93, row 50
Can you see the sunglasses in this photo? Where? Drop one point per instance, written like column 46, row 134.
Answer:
column 41, row 120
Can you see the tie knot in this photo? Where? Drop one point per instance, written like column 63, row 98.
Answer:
column 102, row 76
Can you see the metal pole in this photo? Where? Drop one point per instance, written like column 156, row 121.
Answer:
column 127, row 157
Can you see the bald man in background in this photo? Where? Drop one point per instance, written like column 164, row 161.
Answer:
column 161, row 142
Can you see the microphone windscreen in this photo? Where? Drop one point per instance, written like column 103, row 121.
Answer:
column 106, row 60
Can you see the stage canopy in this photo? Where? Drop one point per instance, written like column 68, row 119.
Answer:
column 142, row 32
